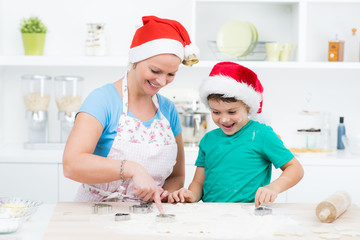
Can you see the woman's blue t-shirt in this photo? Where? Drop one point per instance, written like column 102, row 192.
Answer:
column 106, row 105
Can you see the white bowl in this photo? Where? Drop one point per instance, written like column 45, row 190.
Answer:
column 14, row 212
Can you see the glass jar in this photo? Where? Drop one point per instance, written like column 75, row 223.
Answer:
column 36, row 92
column 68, row 93
column 95, row 44
column 68, row 100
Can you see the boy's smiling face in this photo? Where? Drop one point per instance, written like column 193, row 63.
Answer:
column 229, row 116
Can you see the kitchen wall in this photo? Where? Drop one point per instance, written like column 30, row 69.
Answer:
column 332, row 90
column 66, row 21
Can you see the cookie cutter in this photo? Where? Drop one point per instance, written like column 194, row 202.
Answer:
column 262, row 211
column 122, row 216
column 101, row 208
column 144, row 207
column 165, row 218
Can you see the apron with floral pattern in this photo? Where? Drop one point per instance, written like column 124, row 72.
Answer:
column 153, row 147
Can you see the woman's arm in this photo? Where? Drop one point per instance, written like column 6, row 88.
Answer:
column 177, row 177
column 291, row 175
column 79, row 162
column 81, row 165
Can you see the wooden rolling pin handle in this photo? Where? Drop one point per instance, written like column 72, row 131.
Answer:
column 324, row 214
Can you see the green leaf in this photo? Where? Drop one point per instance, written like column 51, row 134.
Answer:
column 32, row 25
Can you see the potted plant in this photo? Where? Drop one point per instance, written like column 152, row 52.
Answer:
column 33, row 33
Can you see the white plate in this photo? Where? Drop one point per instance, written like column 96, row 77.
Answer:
column 234, row 38
column 255, row 36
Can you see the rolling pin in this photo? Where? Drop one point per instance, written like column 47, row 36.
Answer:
column 332, row 207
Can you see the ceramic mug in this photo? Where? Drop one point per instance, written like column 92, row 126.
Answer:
column 285, row 51
column 273, row 51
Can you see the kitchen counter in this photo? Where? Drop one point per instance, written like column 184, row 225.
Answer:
column 73, row 220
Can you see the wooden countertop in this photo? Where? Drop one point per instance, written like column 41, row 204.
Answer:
column 71, row 220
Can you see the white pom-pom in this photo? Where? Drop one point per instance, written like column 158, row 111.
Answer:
column 191, row 49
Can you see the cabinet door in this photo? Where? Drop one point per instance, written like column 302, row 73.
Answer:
column 319, row 182
column 189, row 174
column 29, row 180
column 282, row 197
column 67, row 187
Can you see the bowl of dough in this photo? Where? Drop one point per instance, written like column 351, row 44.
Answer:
column 15, row 211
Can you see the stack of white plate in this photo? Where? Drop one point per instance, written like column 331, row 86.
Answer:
column 235, row 37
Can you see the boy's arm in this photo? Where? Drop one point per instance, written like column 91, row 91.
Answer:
column 291, row 175
column 196, row 186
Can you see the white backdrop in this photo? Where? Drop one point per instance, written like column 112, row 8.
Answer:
column 333, row 91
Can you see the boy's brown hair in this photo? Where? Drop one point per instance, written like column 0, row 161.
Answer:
column 220, row 97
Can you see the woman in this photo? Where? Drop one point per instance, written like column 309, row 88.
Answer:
column 126, row 141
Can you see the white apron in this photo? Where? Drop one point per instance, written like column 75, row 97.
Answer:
column 153, row 147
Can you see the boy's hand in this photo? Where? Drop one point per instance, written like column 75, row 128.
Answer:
column 181, row 195
column 265, row 195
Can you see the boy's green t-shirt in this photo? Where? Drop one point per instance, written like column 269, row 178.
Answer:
column 237, row 165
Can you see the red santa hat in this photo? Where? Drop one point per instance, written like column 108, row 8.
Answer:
column 160, row 36
column 234, row 80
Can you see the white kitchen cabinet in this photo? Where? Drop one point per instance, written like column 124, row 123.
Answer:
column 29, row 180
column 320, row 182
column 67, row 187
column 307, row 24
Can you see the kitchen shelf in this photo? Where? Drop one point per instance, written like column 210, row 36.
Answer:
column 284, row 1
column 292, row 21
column 83, row 61
column 76, row 61
column 290, row 65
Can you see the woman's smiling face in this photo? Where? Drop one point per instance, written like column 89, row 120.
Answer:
column 229, row 116
column 156, row 72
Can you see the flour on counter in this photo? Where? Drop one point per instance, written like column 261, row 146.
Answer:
column 230, row 221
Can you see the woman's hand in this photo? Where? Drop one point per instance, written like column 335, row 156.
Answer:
column 181, row 195
column 265, row 195
column 145, row 187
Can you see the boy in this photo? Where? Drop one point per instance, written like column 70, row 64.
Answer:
column 235, row 160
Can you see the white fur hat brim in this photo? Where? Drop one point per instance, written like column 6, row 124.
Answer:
column 229, row 87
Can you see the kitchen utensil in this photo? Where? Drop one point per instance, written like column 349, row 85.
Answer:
column 10, row 223
column 36, row 95
column 273, row 51
column 336, row 50
column 142, row 208
column 261, row 211
column 285, row 51
column 256, row 52
column 165, row 218
column 255, row 37
column 194, row 127
column 332, row 207
column 234, row 38
column 122, row 216
column 11, row 202
column 14, row 212
column 68, row 100
column 101, row 208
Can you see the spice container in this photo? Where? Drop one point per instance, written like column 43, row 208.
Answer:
column 95, row 43
column 336, row 50
column 36, row 95
column 68, row 100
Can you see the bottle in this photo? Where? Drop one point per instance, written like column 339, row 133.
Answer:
column 354, row 46
column 341, row 132
column 332, row 207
